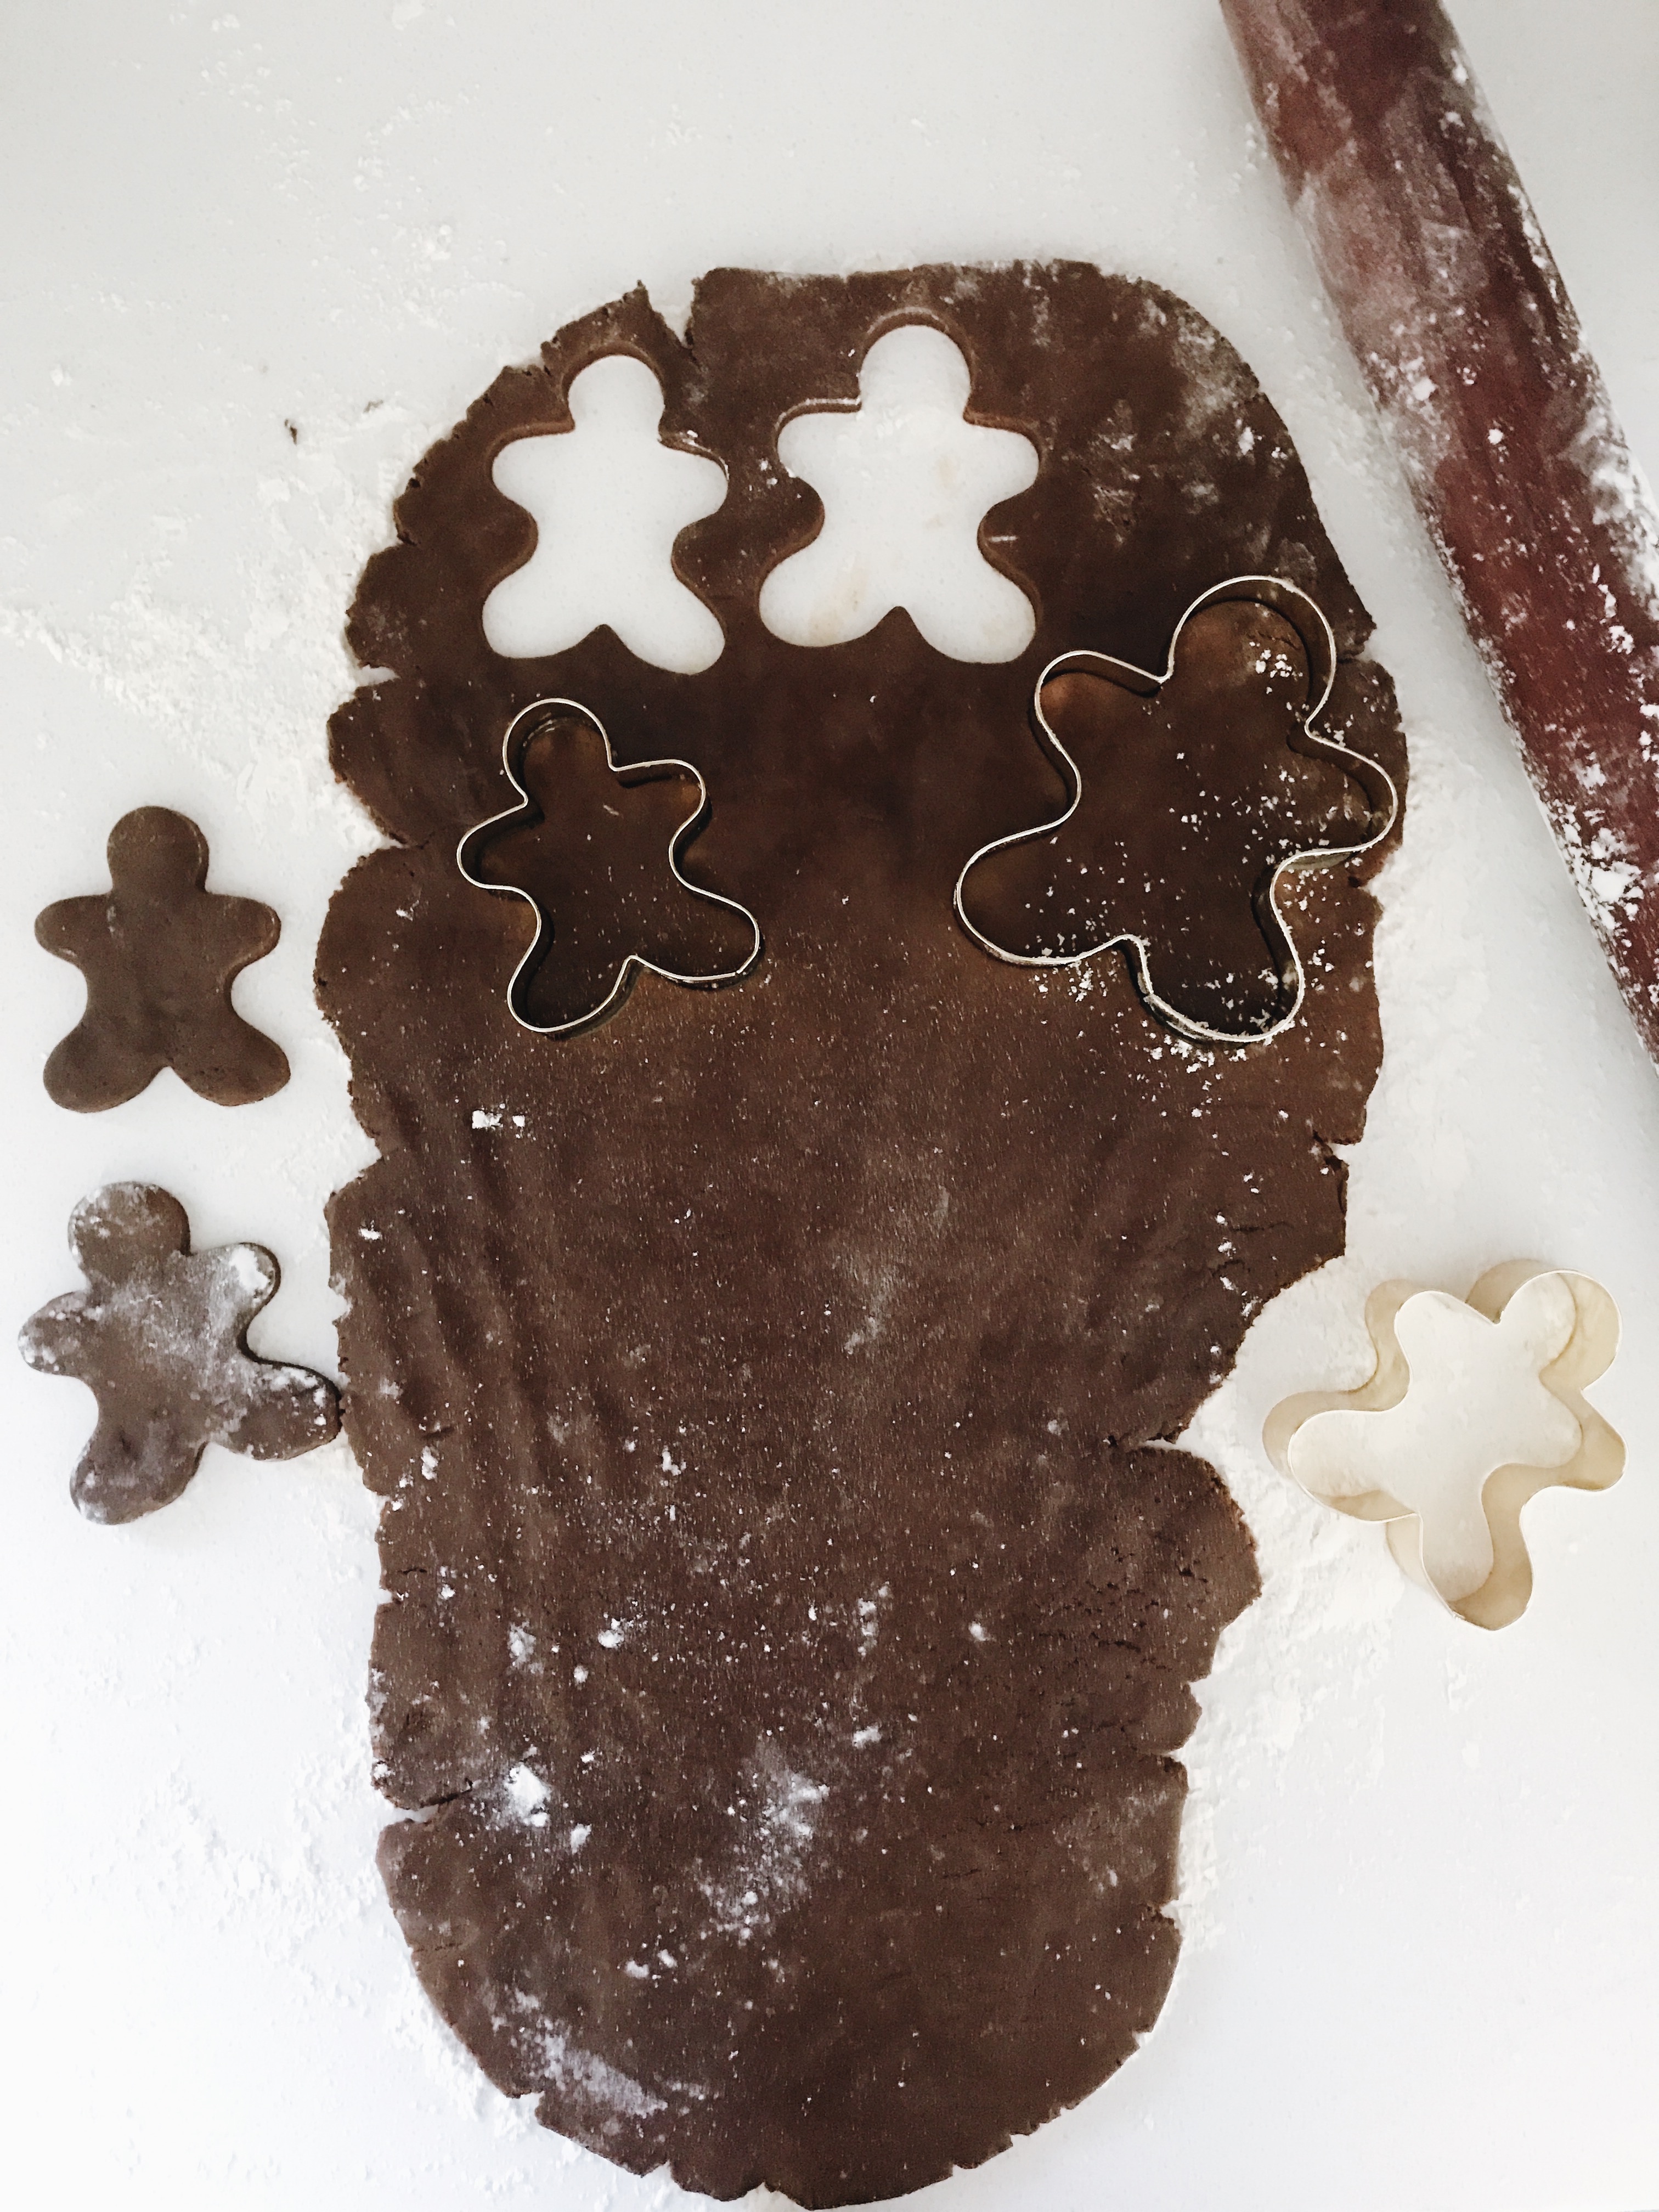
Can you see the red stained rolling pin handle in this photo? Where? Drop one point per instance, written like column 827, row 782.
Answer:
column 1459, row 318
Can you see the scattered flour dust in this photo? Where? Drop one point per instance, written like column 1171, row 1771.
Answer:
column 527, row 1794
column 776, row 1822
column 415, row 2026
column 1320, row 1629
column 236, row 686
column 570, row 2067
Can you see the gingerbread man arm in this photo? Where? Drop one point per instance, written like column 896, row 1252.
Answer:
column 54, row 1339
column 71, row 927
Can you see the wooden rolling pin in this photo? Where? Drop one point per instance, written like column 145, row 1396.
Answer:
column 1458, row 316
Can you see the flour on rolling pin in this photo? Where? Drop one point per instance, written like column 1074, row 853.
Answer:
column 1458, row 316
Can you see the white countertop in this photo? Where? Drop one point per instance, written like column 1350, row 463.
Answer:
column 1419, row 1861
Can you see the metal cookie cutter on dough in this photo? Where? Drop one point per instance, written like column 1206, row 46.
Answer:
column 541, row 714
column 1578, row 1354
column 1307, row 619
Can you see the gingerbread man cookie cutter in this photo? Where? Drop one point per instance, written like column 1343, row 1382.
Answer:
column 1359, row 1450
column 1307, row 619
column 542, row 714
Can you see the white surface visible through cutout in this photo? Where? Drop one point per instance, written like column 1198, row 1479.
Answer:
column 608, row 499
column 1474, row 1403
column 905, row 483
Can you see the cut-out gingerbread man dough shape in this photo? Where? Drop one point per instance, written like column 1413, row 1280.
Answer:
column 1474, row 1405
column 159, row 952
column 160, row 1336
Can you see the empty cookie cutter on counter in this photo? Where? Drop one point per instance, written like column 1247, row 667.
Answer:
column 1355, row 1450
column 542, row 714
column 1307, row 619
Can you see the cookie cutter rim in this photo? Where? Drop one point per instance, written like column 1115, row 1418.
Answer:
column 540, row 713
column 1294, row 605
column 1508, row 1488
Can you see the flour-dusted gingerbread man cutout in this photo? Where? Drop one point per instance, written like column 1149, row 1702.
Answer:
column 1474, row 1407
column 159, row 952
column 160, row 1336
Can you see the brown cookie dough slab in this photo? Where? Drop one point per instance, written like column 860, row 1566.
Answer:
column 159, row 1337
column 792, row 1602
column 160, row 953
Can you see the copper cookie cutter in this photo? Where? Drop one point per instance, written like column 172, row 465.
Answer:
column 1355, row 1450
column 540, row 715
column 1307, row 619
